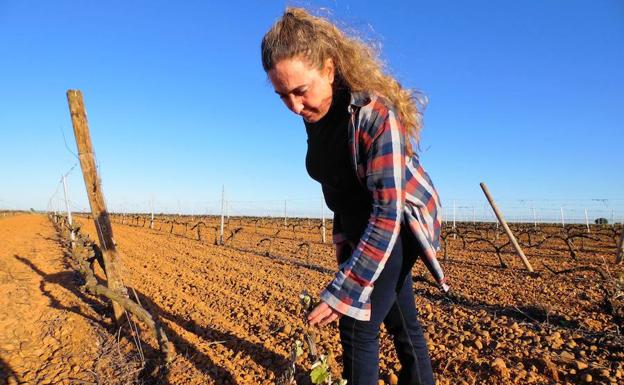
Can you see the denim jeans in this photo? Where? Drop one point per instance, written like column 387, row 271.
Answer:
column 392, row 302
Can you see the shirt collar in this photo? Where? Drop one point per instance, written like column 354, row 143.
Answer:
column 359, row 98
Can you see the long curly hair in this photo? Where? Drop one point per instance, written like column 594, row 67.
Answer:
column 357, row 65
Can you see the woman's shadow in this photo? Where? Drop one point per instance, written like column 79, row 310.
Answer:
column 71, row 281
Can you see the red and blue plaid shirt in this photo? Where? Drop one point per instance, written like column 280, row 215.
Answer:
column 402, row 192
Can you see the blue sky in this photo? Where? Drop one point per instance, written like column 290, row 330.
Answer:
column 524, row 95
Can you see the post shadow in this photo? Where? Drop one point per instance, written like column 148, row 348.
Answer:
column 6, row 372
column 71, row 281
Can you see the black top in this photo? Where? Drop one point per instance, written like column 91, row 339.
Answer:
column 329, row 162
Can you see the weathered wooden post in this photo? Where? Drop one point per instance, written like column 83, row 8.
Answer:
column 502, row 221
column 112, row 265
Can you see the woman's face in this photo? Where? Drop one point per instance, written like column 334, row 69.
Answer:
column 305, row 90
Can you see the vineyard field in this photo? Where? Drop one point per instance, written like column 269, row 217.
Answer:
column 232, row 310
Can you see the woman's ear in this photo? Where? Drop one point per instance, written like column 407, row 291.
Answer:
column 329, row 69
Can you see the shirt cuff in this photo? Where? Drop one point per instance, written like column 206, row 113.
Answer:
column 361, row 311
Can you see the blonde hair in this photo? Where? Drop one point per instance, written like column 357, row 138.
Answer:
column 357, row 66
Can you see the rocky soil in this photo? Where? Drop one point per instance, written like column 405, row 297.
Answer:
column 233, row 311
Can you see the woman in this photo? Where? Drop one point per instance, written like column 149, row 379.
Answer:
column 359, row 123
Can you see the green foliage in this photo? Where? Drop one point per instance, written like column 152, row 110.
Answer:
column 298, row 349
column 306, row 302
column 320, row 372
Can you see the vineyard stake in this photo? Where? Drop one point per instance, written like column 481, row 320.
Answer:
column 222, row 212
column 69, row 215
column 454, row 234
column 152, row 210
column 501, row 219
column 612, row 220
column 103, row 226
column 484, row 215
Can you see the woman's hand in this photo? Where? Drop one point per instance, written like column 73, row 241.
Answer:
column 323, row 314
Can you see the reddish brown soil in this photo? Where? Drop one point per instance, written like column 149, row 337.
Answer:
column 48, row 331
column 233, row 314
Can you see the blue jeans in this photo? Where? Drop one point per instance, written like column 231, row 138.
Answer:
column 392, row 302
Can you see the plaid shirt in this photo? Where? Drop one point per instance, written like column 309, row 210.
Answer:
column 402, row 192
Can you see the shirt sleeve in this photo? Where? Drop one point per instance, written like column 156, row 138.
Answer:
column 349, row 292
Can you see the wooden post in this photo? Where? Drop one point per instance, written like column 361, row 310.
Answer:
column 612, row 219
column 222, row 213
column 501, row 219
column 454, row 214
column 112, row 264
column 534, row 217
column 69, row 215
column 152, row 210
column 454, row 209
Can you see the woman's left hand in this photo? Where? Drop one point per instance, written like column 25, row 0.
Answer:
column 323, row 314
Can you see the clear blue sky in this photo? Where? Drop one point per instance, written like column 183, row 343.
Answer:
column 525, row 95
